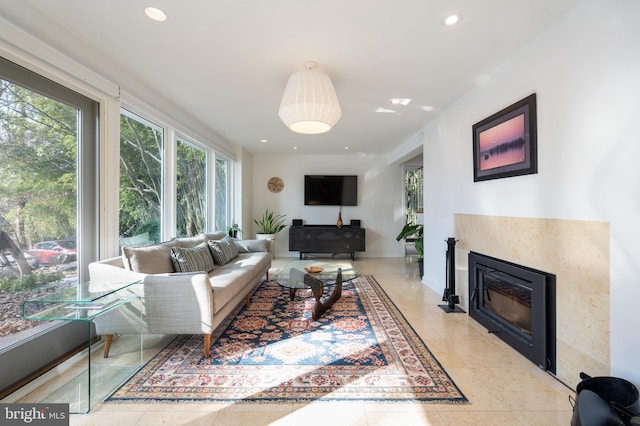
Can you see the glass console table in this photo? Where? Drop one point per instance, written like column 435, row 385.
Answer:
column 91, row 378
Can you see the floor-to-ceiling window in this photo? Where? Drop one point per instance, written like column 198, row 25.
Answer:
column 48, row 199
column 38, row 199
column 141, row 157
column 191, row 188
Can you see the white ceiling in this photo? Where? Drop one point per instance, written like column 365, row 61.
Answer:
column 226, row 63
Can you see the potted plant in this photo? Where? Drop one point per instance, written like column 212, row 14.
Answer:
column 413, row 232
column 233, row 230
column 268, row 226
column 270, row 223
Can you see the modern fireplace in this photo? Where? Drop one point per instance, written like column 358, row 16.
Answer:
column 516, row 303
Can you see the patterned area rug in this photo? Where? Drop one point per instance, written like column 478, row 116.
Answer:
column 361, row 349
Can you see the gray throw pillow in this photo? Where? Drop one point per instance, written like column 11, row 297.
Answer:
column 223, row 251
column 233, row 249
column 192, row 259
column 153, row 259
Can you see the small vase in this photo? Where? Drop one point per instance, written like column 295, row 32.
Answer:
column 339, row 222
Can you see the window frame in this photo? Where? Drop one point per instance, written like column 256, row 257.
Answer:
column 26, row 356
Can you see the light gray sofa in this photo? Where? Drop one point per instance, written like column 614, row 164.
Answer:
column 179, row 302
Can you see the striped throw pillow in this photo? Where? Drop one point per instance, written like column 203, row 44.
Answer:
column 194, row 259
column 233, row 249
column 223, row 251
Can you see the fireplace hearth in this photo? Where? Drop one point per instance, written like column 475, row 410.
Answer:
column 517, row 303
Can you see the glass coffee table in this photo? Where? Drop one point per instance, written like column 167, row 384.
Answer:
column 316, row 275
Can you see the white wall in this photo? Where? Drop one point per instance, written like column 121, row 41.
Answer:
column 379, row 197
column 585, row 70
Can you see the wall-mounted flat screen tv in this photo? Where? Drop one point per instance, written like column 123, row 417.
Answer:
column 330, row 190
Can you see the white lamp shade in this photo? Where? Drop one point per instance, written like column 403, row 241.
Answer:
column 309, row 104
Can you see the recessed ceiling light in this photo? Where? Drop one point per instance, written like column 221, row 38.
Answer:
column 385, row 110
column 346, row 147
column 155, row 14
column 264, row 140
column 400, row 101
column 295, row 147
column 452, row 19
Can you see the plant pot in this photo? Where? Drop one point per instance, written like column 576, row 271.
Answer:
column 265, row 236
column 421, row 267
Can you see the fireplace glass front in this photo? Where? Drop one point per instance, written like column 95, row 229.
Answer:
column 508, row 300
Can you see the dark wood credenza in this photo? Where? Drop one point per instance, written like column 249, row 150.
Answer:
column 326, row 239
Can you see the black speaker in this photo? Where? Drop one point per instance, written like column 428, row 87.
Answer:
column 355, row 223
column 296, row 222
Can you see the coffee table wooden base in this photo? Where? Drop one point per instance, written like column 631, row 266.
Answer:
column 295, row 278
column 317, row 288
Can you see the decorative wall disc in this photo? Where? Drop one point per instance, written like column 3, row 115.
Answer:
column 275, row 184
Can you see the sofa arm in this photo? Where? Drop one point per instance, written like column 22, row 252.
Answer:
column 111, row 271
column 180, row 303
column 250, row 246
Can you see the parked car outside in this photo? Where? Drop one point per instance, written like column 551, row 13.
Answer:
column 54, row 252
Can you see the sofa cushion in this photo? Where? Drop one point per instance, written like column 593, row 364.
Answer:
column 223, row 251
column 249, row 246
column 217, row 235
column 192, row 259
column 255, row 262
column 155, row 259
column 191, row 241
column 226, row 284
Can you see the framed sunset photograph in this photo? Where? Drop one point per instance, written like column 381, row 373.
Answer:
column 505, row 144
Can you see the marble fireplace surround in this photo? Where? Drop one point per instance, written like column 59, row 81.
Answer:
column 577, row 252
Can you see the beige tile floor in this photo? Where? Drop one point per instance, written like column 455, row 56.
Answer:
column 503, row 388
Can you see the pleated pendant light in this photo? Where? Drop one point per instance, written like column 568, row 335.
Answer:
column 309, row 104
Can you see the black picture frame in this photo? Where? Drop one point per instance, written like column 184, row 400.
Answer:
column 505, row 144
